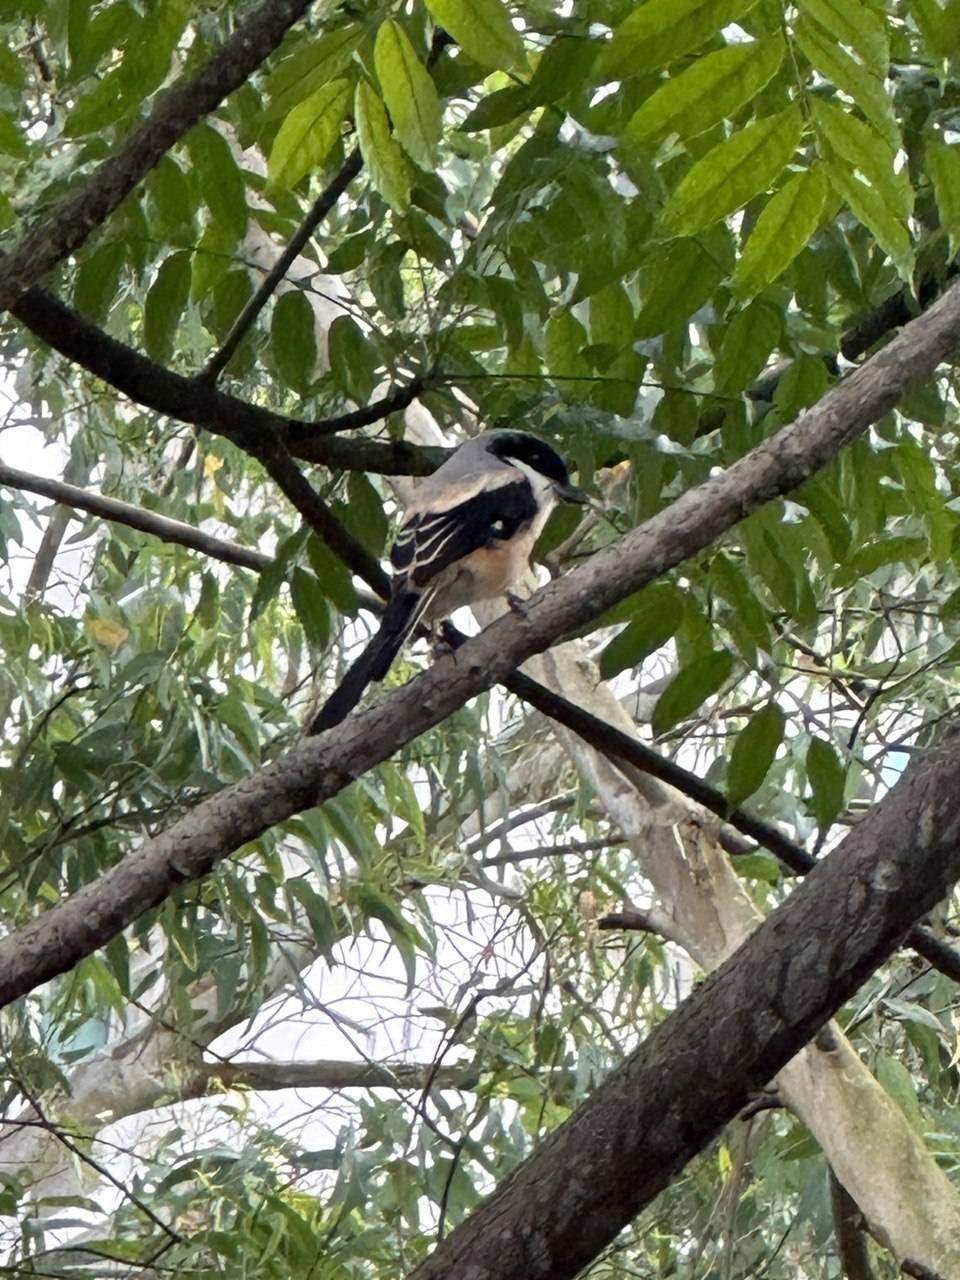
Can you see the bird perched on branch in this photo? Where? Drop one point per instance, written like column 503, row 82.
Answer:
column 467, row 535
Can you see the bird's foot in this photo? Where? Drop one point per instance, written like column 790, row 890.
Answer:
column 446, row 638
column 518, row 604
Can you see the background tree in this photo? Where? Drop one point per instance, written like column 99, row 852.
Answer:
column 279, row 280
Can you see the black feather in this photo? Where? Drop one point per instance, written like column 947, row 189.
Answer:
column 399, row 619
column 426, row 545
column 440, row 540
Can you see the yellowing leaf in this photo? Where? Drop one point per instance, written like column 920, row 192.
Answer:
column 483, row 30
column 308, row 133
column 211, row 465
column 734, row 172
column 408, row 92
column 715, row 87
column 381, row 151
column 108, row 633
column 783, row 228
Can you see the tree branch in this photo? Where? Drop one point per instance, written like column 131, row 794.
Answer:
column 126, row 513
column 738, row 1028
column 70, row 222
column 318, row 768
column 298, row 489
column 617, row 745
column 188, row 400
column 321, row 207
column 850, row 1235
column 329, row 1073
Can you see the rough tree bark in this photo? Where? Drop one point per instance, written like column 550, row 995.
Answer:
column 587, row 1180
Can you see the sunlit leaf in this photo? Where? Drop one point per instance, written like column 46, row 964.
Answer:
column 711, row 89
column 383, row 156
column 746, row 164
column 408, row 92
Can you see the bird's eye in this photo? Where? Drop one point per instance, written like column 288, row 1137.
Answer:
column 497, row 526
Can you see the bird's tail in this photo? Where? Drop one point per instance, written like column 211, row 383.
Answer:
column 399, row 619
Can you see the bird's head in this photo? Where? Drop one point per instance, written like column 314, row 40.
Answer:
column 531, row 453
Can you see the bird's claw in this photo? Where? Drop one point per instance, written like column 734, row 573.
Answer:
column 517, row 603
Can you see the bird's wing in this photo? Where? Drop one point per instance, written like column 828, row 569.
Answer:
column 431, row 539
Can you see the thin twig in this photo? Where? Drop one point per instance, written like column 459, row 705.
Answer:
column 134, row 517
column 244, row 321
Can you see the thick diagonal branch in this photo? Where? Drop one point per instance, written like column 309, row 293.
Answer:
column 69, row 223
column 556, row 1212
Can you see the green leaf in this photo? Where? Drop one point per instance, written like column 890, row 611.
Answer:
column 562, row 68
column 899, row 549
column 11, row 68
column 381, row 152
column 658, row 614
column 659, row 31
column 95, row 287
column 482, row 28
column 353, row 360
column 864, row 86
column 690, row 688
column 748, row 616
column 861, row 168
column 308, row 133
column 221, row 182
column 870, row 208
column 408, row 92
column 862, row 148
column 754, row 753
column 855, row 26
column 164, row 305
column 712, row 89
column 170, row 204
column 311, row 606
column 826, row 776
column 310, row 68
column 784, row 228
column 741, row 167
column 293, row 339
column 333, row 576
column 368, row 519
column 322, row 921
column 900, row 1085
column 12, row 141
column 681, row 279
column 750, row 337
column 564, row 338
column 942, row 163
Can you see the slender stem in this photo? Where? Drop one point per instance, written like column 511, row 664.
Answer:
column 134, row 517
column 243, row 323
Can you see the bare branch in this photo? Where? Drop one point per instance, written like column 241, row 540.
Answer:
column 317, row 769
column 616, row 744
column 291, row 480
column 192, row 401
column 126, row 513
column 848, row 1227
column 71, row 221
column 329, row 1073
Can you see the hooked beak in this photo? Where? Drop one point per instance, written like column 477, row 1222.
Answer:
column 570, row 493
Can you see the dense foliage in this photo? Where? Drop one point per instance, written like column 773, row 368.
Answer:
column 651, row 232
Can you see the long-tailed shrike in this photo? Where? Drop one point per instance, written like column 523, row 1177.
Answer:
column 467, row 535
